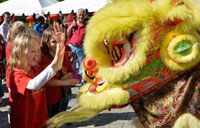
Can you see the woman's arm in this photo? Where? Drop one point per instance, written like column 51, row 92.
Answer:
column 66, row 80
column 38, row 81
column 57, row 82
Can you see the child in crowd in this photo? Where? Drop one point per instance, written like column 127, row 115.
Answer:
column 39, row 25
column 2, row 49
column 15, row 28
column 2, row 57
column 54, row 94
column 26, row 80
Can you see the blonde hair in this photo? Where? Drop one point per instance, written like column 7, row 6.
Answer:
column 20, row 48
column 47, row 35
column 15, row 28
column 33, row 33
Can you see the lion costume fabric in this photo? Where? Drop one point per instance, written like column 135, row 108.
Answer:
column 143, row 53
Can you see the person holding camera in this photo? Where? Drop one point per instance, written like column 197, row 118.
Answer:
column 76, row 33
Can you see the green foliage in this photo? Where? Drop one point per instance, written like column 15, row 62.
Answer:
column 7, row 0
column 3, row 1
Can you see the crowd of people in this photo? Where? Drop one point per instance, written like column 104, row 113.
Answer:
column 40, row 67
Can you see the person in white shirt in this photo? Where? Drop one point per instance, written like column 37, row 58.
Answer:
column 5, row 26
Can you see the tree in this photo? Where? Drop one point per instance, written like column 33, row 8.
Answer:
column 7, row 0
column 3, row 1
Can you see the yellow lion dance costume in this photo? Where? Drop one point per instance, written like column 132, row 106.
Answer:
column 144, row 53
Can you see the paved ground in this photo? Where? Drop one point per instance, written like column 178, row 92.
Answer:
column 116, row 118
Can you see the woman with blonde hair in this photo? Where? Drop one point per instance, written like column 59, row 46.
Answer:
column 27, row 79
column 15, row 28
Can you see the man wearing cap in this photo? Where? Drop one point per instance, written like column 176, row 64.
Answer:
column 76, row 33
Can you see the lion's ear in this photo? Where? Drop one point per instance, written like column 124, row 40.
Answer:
column 113, row 1
column 110, row 1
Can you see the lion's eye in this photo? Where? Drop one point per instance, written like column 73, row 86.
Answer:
column 101, row 82
column 117, row 52
column 176, row 3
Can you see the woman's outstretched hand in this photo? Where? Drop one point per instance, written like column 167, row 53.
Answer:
column 59, row 33
column 69, row 80
column 59, row 36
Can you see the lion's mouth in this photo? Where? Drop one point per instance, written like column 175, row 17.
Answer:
column 93, row 88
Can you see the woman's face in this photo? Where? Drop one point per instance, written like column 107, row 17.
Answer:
column 33, row 56
column 52, row 45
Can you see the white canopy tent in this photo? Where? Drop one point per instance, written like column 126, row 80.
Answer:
column 68, row 5
column 28, row 7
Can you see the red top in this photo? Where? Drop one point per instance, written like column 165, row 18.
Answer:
column 28, row 106
column 2, row 56
column 8, row 52
column 2, row 48
column 53, row 93
column 8, row 49
column 78, row 34
column 68, row 56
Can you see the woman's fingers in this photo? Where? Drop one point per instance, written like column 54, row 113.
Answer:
column 59, row 33
column 53, row 33
column 55, row 29
column 61, row 28
column 58, row 27
column 67, row 76
column 69, row 82
column 73, row 82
